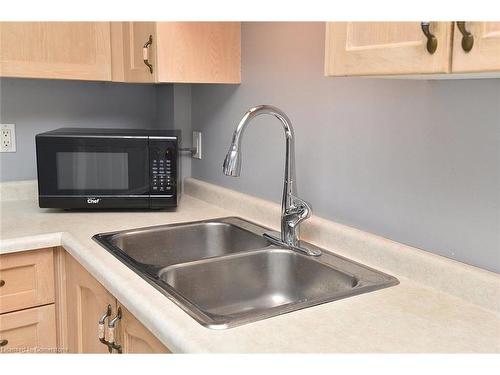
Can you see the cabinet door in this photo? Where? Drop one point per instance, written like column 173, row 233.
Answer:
column 199, row 52
column 135, row 338
column 31, row 330
column 385, row 48
column 485, row 53
column 87, row 301
column 128, row 40
column 65, row 50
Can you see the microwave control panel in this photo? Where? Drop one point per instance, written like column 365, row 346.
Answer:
column 163, row 166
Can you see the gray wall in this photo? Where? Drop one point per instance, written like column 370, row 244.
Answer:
column 36, row 105
column 414, row 161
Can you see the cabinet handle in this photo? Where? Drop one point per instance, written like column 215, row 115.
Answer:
column 432, row 42
column 145, row 54
column 111, row 331
column 101, row 334
column 3, row 342
column 467, row 37
column 2, row 283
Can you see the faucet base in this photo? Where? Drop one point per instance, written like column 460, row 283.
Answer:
column 275, row 238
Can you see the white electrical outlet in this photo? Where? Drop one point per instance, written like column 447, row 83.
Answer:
column 8, row 138
column 197, row 145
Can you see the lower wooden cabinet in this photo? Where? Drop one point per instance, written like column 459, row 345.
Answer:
column 49, row 303
column 135, row 338
column 29, row 331
column 27, row 310
column 86, row 302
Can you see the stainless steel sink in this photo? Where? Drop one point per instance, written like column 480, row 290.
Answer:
column 224, row 273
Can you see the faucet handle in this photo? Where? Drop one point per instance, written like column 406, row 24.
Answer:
column 298, row 212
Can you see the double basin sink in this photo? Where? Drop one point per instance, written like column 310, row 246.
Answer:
column 224, row 273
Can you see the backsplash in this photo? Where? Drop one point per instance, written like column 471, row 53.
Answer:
column 415, row 161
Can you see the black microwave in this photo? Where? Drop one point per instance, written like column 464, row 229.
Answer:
column 108, row 168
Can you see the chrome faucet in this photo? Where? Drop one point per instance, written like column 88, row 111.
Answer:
column 293, row 209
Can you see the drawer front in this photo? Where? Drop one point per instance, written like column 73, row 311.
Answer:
column 26, row 279
column 32, row 330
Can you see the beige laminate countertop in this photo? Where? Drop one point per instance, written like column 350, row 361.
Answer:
column 409, row 317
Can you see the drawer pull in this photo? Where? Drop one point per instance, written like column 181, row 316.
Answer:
column 432, row 42
column 2, row 283
column 467, row 37
column 145, row 54
column 101, row 331
column 111, row 330
column 4, row 342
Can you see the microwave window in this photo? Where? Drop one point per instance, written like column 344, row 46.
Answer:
column 92, row 170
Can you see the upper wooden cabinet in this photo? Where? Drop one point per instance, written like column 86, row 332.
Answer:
column 385, row 48
column 62, row 50
column 484, row 55
column 128, row 40
column 400, row 48
column 187, row 52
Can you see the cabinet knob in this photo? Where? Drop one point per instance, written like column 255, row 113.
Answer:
column 467, row 37
column 432, row 42
column 2, row 283
column 3, row 342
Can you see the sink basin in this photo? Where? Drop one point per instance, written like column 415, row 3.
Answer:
column 223, row 273
column 165, row 245
column 266, row 280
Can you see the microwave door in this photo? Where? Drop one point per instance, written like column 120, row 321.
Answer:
column 93, row 167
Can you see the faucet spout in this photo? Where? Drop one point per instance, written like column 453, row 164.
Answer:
column 293, row 209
